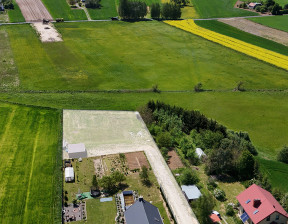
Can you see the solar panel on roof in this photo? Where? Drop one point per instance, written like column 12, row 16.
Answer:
column 244, row 217
column 247, row 201
column 256, row 211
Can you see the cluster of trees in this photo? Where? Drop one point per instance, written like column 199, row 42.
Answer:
column 132, row 10
column 94, row 4
column 8, row 4
column 111, row 182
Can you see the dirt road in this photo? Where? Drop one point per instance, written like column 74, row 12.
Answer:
column 33, row 10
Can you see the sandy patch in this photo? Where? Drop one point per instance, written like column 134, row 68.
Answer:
column 47, row 32
column 258, row 30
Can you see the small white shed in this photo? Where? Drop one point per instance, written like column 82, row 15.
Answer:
column 69, row 174
column 191, row 192
column 76, row 151
column 200, row 153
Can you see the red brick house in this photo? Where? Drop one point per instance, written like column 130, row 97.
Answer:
column 258, row 206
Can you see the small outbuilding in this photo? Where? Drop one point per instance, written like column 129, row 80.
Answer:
column 69, row 174
column 253, row 5
column 76, row 151
column 200, row 153
column 191, row 192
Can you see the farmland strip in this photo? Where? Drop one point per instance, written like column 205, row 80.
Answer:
column 268, row 56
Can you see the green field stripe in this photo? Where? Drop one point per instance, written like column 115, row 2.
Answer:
column 31, row 171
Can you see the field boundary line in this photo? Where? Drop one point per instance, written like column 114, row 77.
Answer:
column 31, row 171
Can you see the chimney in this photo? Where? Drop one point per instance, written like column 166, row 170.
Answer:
column 140, row 198
column 256, row 203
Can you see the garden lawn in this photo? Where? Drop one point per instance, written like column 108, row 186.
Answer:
column 30, row 178
column 219, row 9
column 108, row 10
column 15, row 15
column 61, row 9
column 100, row 212
column 276, row 171
column 230, row 31
column 106, row 56
column 277, row 22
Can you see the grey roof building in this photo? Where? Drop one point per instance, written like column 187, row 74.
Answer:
column 191, row 192
column 76, row 151
column 142, row 212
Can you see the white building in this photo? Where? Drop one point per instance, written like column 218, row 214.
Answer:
column 200, row 153
column 69, row 174
column 76, row 151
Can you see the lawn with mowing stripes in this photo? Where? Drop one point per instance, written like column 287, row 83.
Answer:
column 30, row 168
column 219, row 9
column 276, row 171
column 121, row 55
column 61, row 9
column 241, row 35
column 277, row 22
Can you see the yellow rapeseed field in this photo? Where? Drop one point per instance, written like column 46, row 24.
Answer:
column 271, row 57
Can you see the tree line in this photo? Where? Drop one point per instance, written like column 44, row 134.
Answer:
column 134, row 10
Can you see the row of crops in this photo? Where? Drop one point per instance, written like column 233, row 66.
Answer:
column 268, row 56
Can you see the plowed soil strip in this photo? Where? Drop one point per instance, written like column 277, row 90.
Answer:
column 33, row 10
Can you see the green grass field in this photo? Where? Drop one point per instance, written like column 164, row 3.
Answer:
column 30, row 178
column 277, row 172
column 167, row 56
column 61, row 9
column 277, row 22
column 241, row 35
column 219, row 9
column 15, row 15
column 107, row 10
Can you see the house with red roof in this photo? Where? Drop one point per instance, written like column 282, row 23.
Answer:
column 258, row 206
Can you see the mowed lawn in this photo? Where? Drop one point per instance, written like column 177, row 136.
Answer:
column 119, row 55
column 108, row 9
column 219, row 9
column 30, row 177
column 15, row 15
column 61, row 9
column 277, row 22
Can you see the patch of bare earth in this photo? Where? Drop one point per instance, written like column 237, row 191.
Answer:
column 174, row 161
column 136, row 160
column 258, row 29
column 47, row 32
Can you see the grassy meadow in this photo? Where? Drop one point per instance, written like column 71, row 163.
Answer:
column 29, row 179
column 219, row 9
column 15, row 15
column 241, row 35
column 108, row 10
column 61, row 9
column 277, row 22
column 104, row 61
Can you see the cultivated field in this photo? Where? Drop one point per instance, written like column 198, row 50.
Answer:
column 86, row 65
column 136, row 160
column 30, row 177
column 174, row 160
column 33, row 10
column 258, row 30
column 262, row 54
column 277, row 22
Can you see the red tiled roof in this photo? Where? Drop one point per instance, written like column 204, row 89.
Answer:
column 215, row 218
column 268, row 204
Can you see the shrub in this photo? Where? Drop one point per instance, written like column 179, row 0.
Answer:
column 155, row 11
column 211, row 184
column 219, row 194
column 283, row 155
column 164, row 139
column 93, row 4
column 230, row 210
column 171, row 11
column 189, row 177
column 257, row 9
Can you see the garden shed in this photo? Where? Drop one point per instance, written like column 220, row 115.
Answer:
column 76, row 151
column 191, row 192
column 69, row 174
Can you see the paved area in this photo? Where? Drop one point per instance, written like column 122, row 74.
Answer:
column 112, row 132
